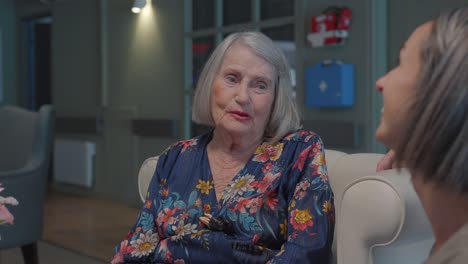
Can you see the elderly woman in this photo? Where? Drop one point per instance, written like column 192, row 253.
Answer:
column 425, row 122
column 254, row 189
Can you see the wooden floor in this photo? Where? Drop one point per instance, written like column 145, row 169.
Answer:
column 88, row 226
column 49, row 254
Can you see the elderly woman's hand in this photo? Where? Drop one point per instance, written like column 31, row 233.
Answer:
column 214, row 223
column 387, row 162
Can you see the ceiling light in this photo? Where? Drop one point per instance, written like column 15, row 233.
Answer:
column 138, row 5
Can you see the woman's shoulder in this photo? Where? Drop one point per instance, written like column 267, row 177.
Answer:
column 302, row 136
column 186, row 145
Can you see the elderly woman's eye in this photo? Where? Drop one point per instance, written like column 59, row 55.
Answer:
column 262, row 86
column 231, row 78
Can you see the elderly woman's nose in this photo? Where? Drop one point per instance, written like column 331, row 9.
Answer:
column 243, row 95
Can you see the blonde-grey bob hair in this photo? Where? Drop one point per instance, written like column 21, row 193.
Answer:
column 284, row 117
column 434, row 138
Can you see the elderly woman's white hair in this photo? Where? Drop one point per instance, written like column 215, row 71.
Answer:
column 284, row 117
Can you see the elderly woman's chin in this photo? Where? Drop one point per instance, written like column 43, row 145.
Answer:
column 236, row 128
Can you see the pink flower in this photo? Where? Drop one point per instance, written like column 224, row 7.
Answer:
column 266, row 182
column 256, row 238
column 117, row 259
column 267, row 152
column 166, row 217
column 168, row 256
column 271, row 200
column 294, row 235
column 301, row 159
column 241, row 205
column 124, row 249
column 187, row 143
column 267, row 167
column 254, row 204
column 5, row 216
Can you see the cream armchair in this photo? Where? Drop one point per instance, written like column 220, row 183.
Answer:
column 378, row 216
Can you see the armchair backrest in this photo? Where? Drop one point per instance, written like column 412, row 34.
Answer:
column 17, row 132
column 145, row 174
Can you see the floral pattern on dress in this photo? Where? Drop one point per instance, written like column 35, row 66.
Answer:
column 277, row 209
column 268, row 151
column 144, row 244
column 239, row 187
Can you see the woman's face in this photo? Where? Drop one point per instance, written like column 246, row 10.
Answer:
column 397, row 87
column 243, row 93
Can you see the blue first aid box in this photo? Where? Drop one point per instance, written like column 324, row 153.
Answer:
column 330, row 84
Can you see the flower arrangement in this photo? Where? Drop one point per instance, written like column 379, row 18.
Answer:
column 5, row 216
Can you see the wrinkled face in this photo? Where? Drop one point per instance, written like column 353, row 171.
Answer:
column 243, row 93
column 398, row 85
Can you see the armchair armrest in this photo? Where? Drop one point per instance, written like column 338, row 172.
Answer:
column 145, row 174
column 372, row 214
column 33, row 166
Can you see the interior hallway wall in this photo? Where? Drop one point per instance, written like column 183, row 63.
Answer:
column 407, row 15
column 8, row 52
column 357, row 51
column 111, row 68
column 145, row 69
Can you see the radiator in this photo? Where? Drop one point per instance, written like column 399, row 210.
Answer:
column 74, row 162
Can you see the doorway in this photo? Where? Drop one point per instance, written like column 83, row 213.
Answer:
column 37, row 86
column 37, row 70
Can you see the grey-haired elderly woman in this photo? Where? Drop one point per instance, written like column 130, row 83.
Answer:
column 425, row 122
column 254, row 189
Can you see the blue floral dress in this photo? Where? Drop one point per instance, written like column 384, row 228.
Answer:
column 277, row 209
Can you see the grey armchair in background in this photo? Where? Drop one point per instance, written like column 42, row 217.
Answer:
column 25, row 149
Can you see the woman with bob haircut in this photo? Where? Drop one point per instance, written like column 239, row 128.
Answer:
column 425, row 123
column 252, row 190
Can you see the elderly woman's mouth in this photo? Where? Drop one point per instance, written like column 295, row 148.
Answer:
column 239, row 115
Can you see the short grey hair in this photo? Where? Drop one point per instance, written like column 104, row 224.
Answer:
column 435, row 132
column 284, row 117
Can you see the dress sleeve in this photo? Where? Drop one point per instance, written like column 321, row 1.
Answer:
column 140, row 243
column 310, row 222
